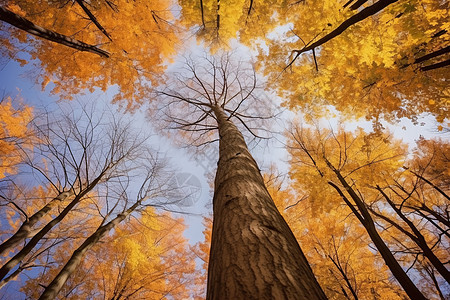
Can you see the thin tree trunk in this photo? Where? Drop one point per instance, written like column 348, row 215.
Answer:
column 36, row 238
column 344, row 275
column 419, row 239
column 25, row 229
column 28, row 26
column 254, row 254
column 52, row 290
column 435, row 282
column 410, row 288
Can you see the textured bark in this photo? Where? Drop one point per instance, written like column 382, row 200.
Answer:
column 254, row 254
column 25, row 229
column 28, row 26
column 364, row 216
column 52, row 290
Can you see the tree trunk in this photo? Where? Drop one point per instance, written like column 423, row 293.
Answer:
column 28, row 26
column 254, row 254
column 52, row 290
column 25, row 229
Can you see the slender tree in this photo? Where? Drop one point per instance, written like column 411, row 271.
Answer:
column 79, row 152
column 152, row 188
column 254, row 254
column 350, row 163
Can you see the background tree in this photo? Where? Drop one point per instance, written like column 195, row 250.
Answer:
column 250, row 239
column 146, row 257
column 117, row 209
column 335, row 243
column 79, row 153
column 353, row 165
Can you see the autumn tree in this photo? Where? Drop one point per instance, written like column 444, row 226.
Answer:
column 79, row 156
column 139, row 39
column 253, row 252
column 417, row 208
column 352, row 166
column 373, row 59
column 146, row 257
column 117, row 209
column 334, row 242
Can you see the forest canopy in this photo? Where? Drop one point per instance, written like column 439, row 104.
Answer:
column 93, row 208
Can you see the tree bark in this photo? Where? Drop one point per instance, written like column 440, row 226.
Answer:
column 28, row 26
column 254, row 254
column 25, row 229
column 52, row 290
column 408, row 286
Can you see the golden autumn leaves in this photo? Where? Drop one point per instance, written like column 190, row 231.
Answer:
column 390, row 64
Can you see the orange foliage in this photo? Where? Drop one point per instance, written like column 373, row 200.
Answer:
column 143, row 39
column 14, row 135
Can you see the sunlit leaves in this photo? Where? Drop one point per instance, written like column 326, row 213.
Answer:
column 143, row 39
column 363, row 158
column 217, row 23
column 371, row 70
column 335, row 244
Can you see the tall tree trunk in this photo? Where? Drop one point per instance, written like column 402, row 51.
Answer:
column 254, row 254
column 25, row 229
column 58, row 282
column 4, row 270
column 28, row 26
column 364, row 216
